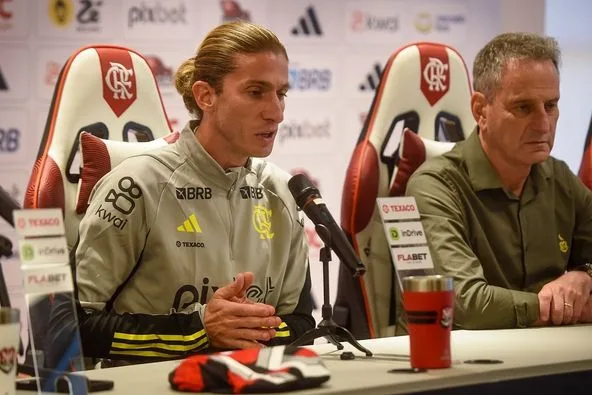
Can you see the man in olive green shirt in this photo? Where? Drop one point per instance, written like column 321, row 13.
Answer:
column 510, row 224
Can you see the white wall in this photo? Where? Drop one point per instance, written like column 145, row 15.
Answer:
column 569, row 22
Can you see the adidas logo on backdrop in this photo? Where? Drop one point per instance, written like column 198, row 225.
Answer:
column 372, row 78
column 308, row 24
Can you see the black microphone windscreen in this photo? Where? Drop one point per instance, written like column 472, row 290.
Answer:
column 301, row 188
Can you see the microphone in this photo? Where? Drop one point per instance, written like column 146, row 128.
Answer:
column 7, row 206
column 308, row 199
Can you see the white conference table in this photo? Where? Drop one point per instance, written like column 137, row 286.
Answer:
column 525, row 353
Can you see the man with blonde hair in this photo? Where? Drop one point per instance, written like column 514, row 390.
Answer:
column 511, row 224
column 213, row 255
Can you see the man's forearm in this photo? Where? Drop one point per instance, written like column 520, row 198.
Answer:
column 131, row 336
column 489, row 307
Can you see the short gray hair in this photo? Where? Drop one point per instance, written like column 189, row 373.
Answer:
column 492, row 59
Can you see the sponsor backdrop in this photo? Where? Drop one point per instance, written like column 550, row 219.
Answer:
column 337, row 49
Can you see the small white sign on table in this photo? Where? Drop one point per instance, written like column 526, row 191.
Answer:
column 405, row 235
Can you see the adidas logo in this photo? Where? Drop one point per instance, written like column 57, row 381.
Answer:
column 308, row 24
column 3, row 84
column 190, row 225
column 372, row 78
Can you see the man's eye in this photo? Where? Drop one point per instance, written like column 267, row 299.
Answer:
column 524, row 109
column 282, row 95
column 255, row 93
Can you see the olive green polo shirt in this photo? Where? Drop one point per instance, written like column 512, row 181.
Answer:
column 499, row 248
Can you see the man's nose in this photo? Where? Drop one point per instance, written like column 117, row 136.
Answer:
column 274, row 109
column 541, row 120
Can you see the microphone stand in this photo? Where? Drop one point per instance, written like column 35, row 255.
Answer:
column 327, row 328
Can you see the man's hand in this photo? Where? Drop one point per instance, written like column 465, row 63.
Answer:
column 586, row 316
column 232, row 321
column 562, row 301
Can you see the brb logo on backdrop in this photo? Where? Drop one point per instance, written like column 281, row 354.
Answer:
column 9, row 140
column 160, row 13
column 310, row 79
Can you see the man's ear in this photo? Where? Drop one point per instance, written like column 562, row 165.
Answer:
column 204, row 95
column 479, row 108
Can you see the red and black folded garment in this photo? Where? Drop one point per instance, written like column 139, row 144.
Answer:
column 272, row 369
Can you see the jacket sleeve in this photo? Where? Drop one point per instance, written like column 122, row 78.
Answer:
column 112, row 236
column 581, row 250
column 295, row 304
column 478, row 305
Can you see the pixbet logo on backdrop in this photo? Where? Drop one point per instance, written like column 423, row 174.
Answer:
column 363, row 21
column 306, row 79
column 158, row 13
column 306, row 130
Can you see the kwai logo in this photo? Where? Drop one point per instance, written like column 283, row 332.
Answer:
column 307, row 130
column 305, row 79
column 365, row 22
column 157, row 13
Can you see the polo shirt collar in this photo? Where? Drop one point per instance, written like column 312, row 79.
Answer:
column 481, row 173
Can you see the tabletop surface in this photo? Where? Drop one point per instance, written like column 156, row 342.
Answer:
column 523, row 352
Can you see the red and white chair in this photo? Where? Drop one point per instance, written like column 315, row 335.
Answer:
column 421, row 107
column 110, row 93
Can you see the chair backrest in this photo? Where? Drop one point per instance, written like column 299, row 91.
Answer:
column 424, row 88
column 105, row 90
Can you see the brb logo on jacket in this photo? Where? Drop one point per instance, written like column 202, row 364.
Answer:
column 308, row 24
column 193, row 193
column 254, row 193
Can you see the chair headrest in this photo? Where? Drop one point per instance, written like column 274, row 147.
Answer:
column 106, row 90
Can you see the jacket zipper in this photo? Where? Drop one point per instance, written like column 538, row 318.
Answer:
column 230, row 221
